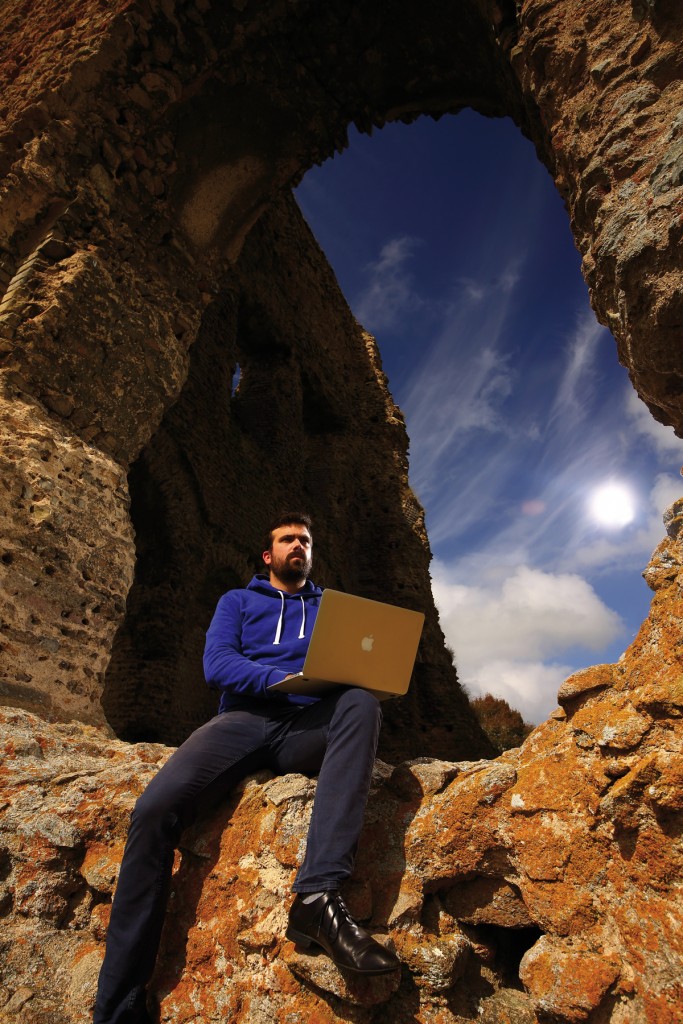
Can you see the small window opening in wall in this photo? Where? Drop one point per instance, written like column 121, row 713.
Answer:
column 235, row 382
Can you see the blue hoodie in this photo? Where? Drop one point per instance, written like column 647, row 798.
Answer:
column 258, row 636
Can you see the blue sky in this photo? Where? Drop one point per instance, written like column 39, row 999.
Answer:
column 453, row 248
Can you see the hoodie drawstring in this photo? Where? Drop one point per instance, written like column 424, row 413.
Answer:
column 278, row 631
column 302, row 633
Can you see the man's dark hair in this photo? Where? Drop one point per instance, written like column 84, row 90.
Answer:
column 286, row 519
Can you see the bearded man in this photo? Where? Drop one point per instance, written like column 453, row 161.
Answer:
column 258, row 636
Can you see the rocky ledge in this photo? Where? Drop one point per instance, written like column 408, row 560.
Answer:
column 544, row 886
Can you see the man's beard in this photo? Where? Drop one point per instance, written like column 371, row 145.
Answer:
column 292, row 568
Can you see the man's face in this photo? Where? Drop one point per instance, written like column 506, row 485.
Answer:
column 290, row 556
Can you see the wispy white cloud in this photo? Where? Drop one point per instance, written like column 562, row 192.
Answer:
column 574, row 452
column 564, row 474
column 667, row 489
column 661, row 438
column 451, row 399
column 470, row 447
column 461, row 495
column 561, row 536
column 577, row 382
column 509, row 629
column 478, row 290
column 390, row 291
column 461, row 385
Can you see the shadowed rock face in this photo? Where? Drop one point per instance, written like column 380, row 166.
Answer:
column 148, row 245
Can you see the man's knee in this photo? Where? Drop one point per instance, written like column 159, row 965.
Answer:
column 362, row 703
column 155, row 810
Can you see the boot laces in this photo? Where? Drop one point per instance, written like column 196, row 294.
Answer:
column 340, row 914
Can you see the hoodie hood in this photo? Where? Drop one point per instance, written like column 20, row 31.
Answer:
column 262, row 584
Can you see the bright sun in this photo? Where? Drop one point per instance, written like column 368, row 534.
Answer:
column 612, row 505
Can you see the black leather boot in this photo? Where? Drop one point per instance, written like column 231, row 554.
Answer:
column 326, row 922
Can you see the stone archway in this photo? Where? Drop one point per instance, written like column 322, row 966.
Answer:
column 145, row 139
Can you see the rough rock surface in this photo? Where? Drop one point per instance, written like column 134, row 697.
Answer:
column 146, row 150
column 544, row 886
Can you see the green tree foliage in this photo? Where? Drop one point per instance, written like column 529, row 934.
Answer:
column 504, row 726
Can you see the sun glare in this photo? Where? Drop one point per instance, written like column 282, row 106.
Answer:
column 612, row 505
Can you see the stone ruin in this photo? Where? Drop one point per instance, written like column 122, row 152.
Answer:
column 149, row 245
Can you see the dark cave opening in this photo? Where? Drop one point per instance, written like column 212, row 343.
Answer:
column 160, row 640
column 508, row 945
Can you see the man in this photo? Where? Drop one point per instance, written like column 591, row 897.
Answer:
column 258, row 636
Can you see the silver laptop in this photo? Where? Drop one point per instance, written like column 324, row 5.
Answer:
column 358, row 642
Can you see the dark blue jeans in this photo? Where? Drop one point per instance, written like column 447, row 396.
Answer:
column 336, row 737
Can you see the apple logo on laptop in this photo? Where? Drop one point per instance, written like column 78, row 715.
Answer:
column 367, row 642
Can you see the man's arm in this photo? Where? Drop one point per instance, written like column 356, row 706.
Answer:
column 225, row 667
